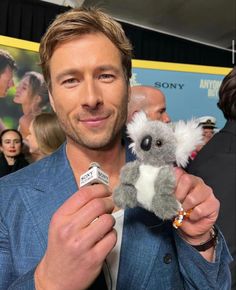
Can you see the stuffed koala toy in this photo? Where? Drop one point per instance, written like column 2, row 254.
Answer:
column 149, row 181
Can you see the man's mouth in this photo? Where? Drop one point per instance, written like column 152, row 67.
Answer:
column 94, row 121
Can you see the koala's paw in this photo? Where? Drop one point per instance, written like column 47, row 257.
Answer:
column 129, row 173
column 125, row 196
column 165, row 206
column 164, row 203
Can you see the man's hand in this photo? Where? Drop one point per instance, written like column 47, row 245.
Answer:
column 80, row 237
column 194, row 194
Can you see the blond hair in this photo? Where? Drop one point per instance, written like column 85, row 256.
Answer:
column 80, row 21
column 48, row 132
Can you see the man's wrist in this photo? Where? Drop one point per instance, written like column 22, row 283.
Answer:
column 40, row 283
column 203, row 242
column 211, row 242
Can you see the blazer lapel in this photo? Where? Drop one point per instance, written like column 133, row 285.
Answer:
column 53, row 184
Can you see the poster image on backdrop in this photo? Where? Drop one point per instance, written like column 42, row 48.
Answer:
column 190, row 90
column 19, row 104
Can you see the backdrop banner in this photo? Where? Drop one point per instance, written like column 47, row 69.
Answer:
column 25, row 54
column 190, row 90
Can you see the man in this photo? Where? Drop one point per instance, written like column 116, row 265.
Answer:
column 7, row 66
column 216, row 164
column 150, row 100
column 56, row 236
column 208, row 124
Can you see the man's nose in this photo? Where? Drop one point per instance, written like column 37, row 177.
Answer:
column 92, row 95
column 166, row 118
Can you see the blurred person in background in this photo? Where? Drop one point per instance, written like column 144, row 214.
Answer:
column 149, row 99
column 7, row 67
column 45, row 135
column 216, row 165
column 208, row 124
column 32, row 95
column 11, row 157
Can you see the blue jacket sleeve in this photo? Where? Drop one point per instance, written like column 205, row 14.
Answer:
column 8, row 281
column 197, row 272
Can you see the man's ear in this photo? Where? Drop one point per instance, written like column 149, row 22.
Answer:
column 51, row 101
column 129, row 93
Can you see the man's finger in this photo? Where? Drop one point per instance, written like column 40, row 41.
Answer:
column 82, row 197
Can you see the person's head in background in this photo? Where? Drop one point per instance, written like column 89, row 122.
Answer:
column 46, row 135
column 227, row 96
column 208, row 124
column 10, row 144
column 7, row 67
column 32, row 93
column 149, row 99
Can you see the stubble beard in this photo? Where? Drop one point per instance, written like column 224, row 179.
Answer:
column 89, row 141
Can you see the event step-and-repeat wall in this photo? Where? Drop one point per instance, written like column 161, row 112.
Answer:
column 190, row 90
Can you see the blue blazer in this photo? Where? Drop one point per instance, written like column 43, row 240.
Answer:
column 152, row 256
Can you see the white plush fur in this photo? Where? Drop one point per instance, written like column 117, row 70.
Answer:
column 188, row 135
column 145, row 184
column 136, row 127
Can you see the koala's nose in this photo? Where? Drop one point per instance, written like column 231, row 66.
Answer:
column 146, row 143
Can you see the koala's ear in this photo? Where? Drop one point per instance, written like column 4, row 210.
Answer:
column 137, row 126
column 188, row 136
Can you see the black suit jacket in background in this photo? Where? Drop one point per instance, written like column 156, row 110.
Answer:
column 216, row 165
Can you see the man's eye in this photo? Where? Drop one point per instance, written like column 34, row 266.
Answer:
column 106, row 77
column 70, row 82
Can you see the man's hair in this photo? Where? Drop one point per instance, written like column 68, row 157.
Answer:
column 48, row 132
column 227, row 95
column 80, row 21
column 6, row 60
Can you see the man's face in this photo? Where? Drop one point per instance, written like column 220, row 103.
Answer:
column 207, row 134
column 156, row 107
column 6, row 81
column 89, row 92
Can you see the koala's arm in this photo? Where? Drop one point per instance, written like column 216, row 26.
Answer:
column 125, row 194
column 164, row 203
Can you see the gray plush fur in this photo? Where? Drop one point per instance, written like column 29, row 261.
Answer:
column 149, row 182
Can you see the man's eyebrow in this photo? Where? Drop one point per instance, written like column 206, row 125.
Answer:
column 103, row 68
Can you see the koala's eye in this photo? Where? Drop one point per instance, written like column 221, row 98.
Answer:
column 146, row 143
column 159, row 143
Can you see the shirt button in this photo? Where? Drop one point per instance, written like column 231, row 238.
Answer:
column 167, row 259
